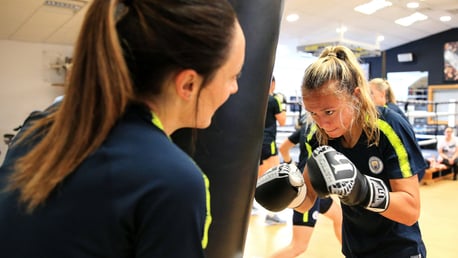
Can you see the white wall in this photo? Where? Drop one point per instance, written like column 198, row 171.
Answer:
column 289, row 70
column 24, row 82
column 25, row 77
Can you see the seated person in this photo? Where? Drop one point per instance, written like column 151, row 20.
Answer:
column 448, row 152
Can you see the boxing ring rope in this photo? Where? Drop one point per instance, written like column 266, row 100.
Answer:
column 427, row 123
column 423, row 115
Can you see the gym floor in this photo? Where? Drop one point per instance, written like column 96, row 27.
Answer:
column 438, row 222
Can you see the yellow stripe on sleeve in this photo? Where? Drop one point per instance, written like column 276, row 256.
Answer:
column 309, row 137
column 208, row 218
column 399, row 148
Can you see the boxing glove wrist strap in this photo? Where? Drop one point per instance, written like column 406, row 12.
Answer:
column 378, row 197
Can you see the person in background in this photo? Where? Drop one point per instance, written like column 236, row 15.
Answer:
column 304, row 223
column 281, row 98
column 275, row 113
column 98, row 174
column 448, row 151
column 364, row 155
column 383, row 95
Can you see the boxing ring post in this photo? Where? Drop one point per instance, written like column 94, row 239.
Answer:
column 451, row 116
column 229, row 150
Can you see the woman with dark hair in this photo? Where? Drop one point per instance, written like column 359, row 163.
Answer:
column 98, row 175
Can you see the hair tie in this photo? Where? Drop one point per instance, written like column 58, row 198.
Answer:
column 340, row 55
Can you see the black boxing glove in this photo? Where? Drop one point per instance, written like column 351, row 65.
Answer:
column 330, row 172
column 281, row 187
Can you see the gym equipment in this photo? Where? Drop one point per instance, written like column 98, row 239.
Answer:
column 229, row 150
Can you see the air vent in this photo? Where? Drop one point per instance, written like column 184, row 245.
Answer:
column 74, row 5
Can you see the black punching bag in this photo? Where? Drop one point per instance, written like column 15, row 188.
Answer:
column 229, row 150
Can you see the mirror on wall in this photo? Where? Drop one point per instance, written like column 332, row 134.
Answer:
column 411, row 91
column 409, row 85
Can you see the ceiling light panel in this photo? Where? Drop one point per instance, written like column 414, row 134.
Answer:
column 445, row 18
column 372, row 6
column 292, row 17
column 409, row 20
column 413, row 5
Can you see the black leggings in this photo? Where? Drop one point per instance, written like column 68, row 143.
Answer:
column 453, row 166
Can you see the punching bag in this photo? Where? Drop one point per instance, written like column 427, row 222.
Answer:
column 228, row 152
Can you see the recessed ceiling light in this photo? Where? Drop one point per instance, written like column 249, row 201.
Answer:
column 380, row 38
column 409, row 20
column 292, row 17
column 341, row 29
column 445, row 18
column 413, row 5
column 372, row 6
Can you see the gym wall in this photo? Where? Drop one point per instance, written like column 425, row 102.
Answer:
column 22, row 85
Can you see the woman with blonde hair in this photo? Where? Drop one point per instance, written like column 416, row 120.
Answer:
column 383, row 95
column 362, row 154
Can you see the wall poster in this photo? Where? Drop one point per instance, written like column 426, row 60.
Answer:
column 451, row 61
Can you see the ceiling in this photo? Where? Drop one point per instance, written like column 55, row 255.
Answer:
column 319, row 20
column 32, row 21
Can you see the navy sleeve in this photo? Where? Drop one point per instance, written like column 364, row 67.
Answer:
column 403, row 156
column 295, row 137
